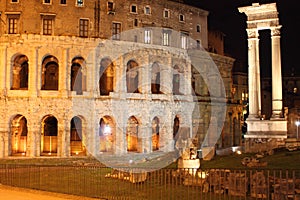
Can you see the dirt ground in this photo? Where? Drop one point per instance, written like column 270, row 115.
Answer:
column 14, row 193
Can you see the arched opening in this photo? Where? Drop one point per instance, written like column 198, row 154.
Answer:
column 155, row 79
column 77, row 78
column 107, row 134
column 176, row 126
column 132, row 134
column 19, row 135
column 176, row 80
column 106, row 81
column 76, row 144
column 50, row 73
column 155, row 134
column 49, row 136
column 20, row 73
column 132, row 77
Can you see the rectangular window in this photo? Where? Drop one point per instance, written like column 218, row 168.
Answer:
column 79, row 3
column 110, row 7
column 184, row 40
column 166, row 13
column 147, row 10
column 47, row 26
column 63, row 1
column 198, row 44
column 166, row 37
column 83, row 27
column 47, row 1
column 13, row 24
column 133, row 9
column 14, row 1
column 147, row 36
column 116, row 30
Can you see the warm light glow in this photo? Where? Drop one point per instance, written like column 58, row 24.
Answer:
column 239, row 152
column 297, row 123
column 76, row 153
column 107, row 130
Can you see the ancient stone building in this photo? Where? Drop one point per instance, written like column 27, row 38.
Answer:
column 81, row 77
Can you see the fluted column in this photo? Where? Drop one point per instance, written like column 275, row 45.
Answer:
column 252, row 73
column 276, row 73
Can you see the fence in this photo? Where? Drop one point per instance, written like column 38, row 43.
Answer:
column 106, row 183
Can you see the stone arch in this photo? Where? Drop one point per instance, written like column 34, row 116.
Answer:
column 50, row 73
column 20, row 70
column 77, row 146
column 107, row 134
column 176, row 79
column 132, row 134
column 132, row 76
column 49, row 135
column 155, row 133
column 18, row 132
column 106, row 81
column 155, row 78
column 78, row 78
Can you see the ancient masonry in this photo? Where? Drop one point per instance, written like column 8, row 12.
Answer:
column 264, row 134
column 87, row 78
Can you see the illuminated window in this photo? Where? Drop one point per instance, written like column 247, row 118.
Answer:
column 166, row 13
column 147, row 36
column 147, row 10
column 181, row 18
column 47, row 26
column 133, row 9
column 13, row 24
column 184, row 40
column 116, row 30
column 83, row 27
column 79, row 3
column 166, row 37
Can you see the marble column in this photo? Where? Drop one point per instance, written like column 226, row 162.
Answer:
column 276, row 73
column 252, row 73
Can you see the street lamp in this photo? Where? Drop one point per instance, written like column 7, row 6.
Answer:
column 297, row 124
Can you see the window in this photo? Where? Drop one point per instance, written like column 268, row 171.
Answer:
column 147, row 10
column 181, row 18
column 166, row 13
column 83, row 27
column 79, row 3
column 133, row 9
column 116, row 30
column 198, row 44
column 166, row 37
column 110, row 7
column 13, row 24
column 198, row 28
column 135, row 23
column 63, row 1
column 47, row 26
column 147, row 36
column 184, row 40
column 47, row 1
column 14, row 1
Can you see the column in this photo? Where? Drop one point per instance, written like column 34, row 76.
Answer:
column 257, row 63
column 3, row 54
column 276, row 73
column 64, row 67
column 252, row 75
column 34, row 74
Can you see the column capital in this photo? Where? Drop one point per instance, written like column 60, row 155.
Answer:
column 252, row 33
column 275, row 31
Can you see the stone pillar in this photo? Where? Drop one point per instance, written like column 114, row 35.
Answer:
column 33, row 140
column 252, row 73
column 276, row 73
column 258, row 76
column 64, row 79
column 34, row 74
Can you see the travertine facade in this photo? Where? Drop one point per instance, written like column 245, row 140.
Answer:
column 77, row 79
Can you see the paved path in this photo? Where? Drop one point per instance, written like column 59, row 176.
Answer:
column 13, row 193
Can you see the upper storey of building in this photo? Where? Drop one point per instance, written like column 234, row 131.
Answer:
column 104, row 19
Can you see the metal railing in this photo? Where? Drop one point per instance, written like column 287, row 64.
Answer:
column 168, row 183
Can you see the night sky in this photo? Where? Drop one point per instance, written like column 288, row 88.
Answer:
column 224, row 16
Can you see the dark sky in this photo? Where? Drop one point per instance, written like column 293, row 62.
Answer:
column 224, row 16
